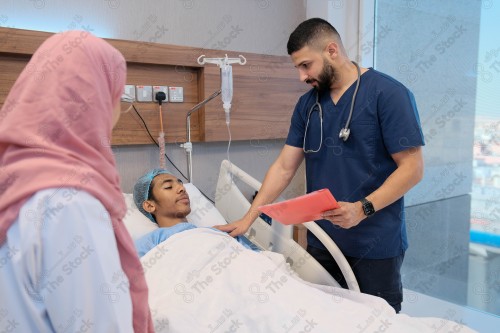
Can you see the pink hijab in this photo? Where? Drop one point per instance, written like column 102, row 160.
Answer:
column 55, row 129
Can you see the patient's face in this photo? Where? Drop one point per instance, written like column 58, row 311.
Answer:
column 170, row 198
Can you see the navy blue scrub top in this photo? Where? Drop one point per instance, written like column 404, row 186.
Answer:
column 385, row 121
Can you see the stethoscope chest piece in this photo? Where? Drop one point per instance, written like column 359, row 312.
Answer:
column 344, row 133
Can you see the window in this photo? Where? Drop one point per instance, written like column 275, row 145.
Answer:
column 448, row 54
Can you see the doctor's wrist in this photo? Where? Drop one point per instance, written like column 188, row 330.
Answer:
column 367, row 208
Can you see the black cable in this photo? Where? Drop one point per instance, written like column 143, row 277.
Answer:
column 156, row 143
column 168, row 158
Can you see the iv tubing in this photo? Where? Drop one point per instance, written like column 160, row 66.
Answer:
column 161, row 143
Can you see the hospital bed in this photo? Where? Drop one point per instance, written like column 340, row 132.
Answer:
column 230, row 205
column 192, row 289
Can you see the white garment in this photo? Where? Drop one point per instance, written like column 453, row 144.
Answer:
column 57, row 267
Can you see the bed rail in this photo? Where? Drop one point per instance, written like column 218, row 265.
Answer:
column 232, row 204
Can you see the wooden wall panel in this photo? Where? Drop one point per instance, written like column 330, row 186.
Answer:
column 265, row 89
column 174, row 114
column 265, row 92
column 10, row 68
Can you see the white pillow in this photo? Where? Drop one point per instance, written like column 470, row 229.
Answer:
column 203, row 213
column 136, row 223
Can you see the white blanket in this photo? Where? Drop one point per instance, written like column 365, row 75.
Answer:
column 201, row 280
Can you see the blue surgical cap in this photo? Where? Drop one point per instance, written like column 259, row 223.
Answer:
column 142, row 187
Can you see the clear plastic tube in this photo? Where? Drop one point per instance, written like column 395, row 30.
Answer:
column 229, row 146
column 161, row 143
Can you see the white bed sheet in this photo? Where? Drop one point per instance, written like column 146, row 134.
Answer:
column 202, row 280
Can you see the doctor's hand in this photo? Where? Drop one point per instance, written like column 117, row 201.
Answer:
column 235, row 228
column 347, row 216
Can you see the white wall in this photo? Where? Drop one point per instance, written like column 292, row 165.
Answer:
column 262, row 26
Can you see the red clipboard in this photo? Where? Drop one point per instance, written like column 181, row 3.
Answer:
column 305, row 208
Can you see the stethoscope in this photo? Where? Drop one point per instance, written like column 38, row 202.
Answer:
column 344, row 132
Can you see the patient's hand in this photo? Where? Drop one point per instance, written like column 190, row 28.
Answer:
column 235, row 228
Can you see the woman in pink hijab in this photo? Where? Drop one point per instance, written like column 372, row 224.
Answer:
column 67, row 262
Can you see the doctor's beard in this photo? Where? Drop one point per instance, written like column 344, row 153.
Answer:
column 326, row 78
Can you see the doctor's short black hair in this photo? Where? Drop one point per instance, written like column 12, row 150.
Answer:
column 310, row 33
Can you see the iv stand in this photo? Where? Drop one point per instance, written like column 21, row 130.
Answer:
column 188, row 145
column 221, row 61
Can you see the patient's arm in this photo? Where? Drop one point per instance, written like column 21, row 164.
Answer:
column 277, row 179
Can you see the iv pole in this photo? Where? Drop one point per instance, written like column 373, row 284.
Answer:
column 221, row 62
column 188, row 145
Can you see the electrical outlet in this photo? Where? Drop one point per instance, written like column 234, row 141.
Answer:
column 176, row 94
column 144, row 93
column 160, row 88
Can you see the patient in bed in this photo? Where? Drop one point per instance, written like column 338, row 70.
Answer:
column 203, row 280
column 162, row 198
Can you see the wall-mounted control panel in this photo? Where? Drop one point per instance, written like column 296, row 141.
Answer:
column 176, row 94
column 145, row 93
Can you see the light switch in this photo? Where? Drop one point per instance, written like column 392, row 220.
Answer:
column 129, row 93
column 144, row 93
